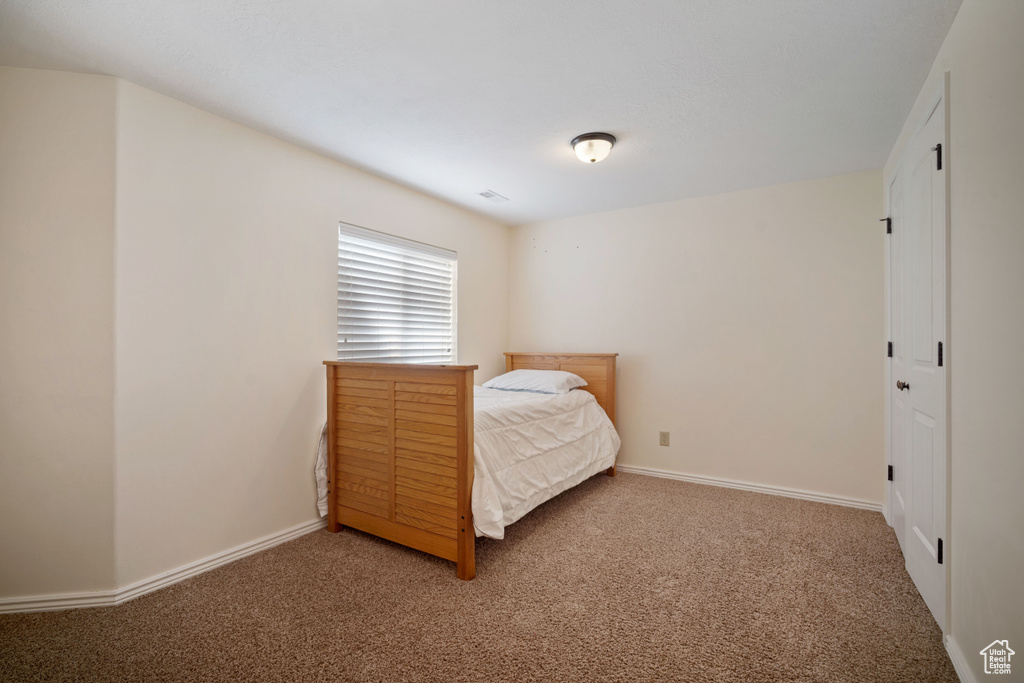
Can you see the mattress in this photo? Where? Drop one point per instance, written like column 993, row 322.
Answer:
column 528, row 448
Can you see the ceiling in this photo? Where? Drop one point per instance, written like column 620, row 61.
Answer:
column 455, row 97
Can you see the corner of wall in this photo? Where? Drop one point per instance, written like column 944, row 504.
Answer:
column 56, row 226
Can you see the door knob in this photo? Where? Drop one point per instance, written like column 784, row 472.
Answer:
column 901, row 385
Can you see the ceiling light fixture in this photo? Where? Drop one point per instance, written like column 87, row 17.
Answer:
column 592, row 147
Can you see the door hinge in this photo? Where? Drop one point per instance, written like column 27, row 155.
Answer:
column 890, row 472
column 938, row 156
column 940, row 354
column 888, row 224
column 890, row 349
column 940, row 551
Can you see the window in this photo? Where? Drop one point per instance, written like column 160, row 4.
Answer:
column 396, row 299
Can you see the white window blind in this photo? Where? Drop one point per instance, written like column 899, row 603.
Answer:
column 396, row 299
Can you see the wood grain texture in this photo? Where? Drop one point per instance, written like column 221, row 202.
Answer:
column 404, row 534
column 466, row 539
column 392, row 469
column 402, row 455
column 332, row 514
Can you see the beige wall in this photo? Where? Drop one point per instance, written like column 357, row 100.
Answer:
column 750, row 325
column 190, row 263
column 985, row 60
column 56, row 332
column 226, row 301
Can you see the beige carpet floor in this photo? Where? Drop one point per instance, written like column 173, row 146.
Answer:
column 625, row 579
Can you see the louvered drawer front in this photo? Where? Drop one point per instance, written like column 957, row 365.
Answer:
column 425, row 457
column 361, row 433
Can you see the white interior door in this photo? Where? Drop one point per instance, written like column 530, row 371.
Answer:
column 918, row 372
column 897, row 400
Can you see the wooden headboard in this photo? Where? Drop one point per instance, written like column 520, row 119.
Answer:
column 598, row 369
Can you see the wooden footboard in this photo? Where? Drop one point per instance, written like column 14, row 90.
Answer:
column 401, row 455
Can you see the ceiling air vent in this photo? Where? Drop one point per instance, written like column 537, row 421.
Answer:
column 493, row 196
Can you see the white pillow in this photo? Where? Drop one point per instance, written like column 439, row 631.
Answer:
column 540, row 381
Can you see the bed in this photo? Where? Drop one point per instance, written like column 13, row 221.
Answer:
column 404, row 462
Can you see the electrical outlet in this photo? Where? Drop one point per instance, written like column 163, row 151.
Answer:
column 663, row 438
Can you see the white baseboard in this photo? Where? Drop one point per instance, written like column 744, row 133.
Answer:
column 58, row 601
column 49, row 603
column 956, row 655
column 757, row 488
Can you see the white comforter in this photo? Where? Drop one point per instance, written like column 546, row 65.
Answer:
column 528, row 448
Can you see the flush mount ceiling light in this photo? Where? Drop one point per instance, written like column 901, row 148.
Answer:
column 592, row 147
